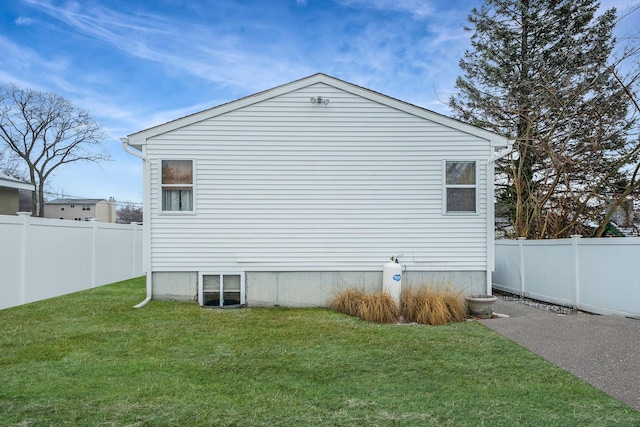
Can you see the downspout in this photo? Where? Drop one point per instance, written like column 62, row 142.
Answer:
column 128, row 149
column 491, row 213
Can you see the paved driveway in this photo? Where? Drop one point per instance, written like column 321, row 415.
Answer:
column 602, row 350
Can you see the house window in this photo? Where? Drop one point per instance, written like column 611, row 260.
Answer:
column 460, row 186
column 221, row 290
column 177, row 185
column 86, row 207
column 62, row 208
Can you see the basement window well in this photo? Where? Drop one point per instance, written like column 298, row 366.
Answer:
column 221, row 290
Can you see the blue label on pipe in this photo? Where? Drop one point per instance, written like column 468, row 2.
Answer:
column 397, row 277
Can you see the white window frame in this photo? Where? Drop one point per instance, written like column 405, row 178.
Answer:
column 446, row 187
column 162, row 186
column 221, row 274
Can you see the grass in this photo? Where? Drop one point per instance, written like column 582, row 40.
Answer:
column 90, row 359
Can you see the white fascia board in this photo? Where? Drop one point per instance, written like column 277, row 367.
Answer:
column 139, row 139
column 495, row 139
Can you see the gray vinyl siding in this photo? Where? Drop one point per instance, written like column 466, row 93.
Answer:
column 286, row 185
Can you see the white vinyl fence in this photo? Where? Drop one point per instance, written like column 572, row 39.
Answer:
column 42, row 258
column 596, row 275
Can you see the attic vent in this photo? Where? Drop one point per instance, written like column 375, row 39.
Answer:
column 221, row 290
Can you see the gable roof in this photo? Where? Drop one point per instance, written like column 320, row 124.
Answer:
column 138, row 139
column 11, row 182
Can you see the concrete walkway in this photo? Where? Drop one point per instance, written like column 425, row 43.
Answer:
column 602, row 350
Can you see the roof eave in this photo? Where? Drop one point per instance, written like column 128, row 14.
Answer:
column 139, row 139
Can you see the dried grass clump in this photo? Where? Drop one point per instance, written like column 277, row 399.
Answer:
column 377, row 307
column 433, row 304
column 348, row 301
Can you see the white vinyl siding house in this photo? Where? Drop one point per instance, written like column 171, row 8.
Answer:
column 298, row 198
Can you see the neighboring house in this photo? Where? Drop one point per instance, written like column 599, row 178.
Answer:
column 288, row 195
column 81, row 209
column 10, row 191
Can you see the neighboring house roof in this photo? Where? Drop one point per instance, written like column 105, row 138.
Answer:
column 74, row 201
column 138, row 139
column 10, row 182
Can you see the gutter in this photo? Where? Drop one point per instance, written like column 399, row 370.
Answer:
column 128, row 149
column 500, row 154
column 138, row 154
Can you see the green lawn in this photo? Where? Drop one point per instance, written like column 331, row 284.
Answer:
column 91, row 359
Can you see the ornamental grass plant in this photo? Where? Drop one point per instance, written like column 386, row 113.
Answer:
column 432, row 304
column 427, row 304
column 377, row 307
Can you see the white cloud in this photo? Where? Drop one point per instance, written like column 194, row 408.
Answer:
column 229, row 61
column 20, row 61
column 418, row 8
column 23, row 20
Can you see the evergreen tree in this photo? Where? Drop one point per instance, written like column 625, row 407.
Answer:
column 540, row 73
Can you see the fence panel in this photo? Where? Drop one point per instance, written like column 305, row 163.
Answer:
column 11, row 256
column 597, row 275
column 508, row 266
column 43, row 258
column 118, row 253
column 547, row 270
column 609, row 281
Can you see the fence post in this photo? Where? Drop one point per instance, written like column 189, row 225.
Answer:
column 23, row 255
column 521, row 251
column 94, row 250
column 576, row 267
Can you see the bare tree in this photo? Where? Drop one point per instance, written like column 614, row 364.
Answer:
column 8, row 164
column 129, row 213
column 45, row 131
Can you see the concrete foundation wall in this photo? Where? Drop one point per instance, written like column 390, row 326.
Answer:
column 309, row 288
column 175, row 286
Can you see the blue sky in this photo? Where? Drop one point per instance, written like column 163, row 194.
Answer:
column 135, row 64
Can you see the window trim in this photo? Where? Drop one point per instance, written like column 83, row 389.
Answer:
column 446, row 187
column 161, row 187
